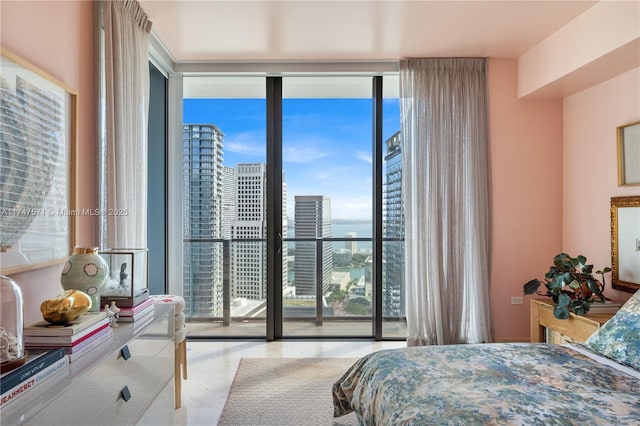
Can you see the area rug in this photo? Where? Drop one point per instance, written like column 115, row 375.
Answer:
column 285, row 391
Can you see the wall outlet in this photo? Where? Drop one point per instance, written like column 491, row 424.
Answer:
column 517, row 301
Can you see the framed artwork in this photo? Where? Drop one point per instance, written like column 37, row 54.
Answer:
column 38, row 119
column 628, row 137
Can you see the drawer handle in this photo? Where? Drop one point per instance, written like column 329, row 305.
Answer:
column 125, row 352
column 125, row 394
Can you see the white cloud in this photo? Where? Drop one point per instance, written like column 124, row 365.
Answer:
column 302, row 153
column 246, row 143
column 364, row 156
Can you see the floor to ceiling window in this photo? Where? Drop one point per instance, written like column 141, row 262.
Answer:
column 224, row 224
column 326, row 278
column 327, row 126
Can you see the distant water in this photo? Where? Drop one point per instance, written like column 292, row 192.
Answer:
column 362, row 230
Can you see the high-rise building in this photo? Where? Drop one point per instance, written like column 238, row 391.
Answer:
column 285, row 229
column 202, row 204
column 351, row 245
column 393, row 294
column 312, row 220
column 228, row 200
column 248, row 258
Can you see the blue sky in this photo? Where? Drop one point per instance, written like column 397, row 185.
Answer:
column 326, row 144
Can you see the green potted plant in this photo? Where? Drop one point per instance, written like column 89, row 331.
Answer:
column 571, row 285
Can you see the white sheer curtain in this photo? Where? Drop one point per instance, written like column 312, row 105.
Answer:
column 447, row 200
column 126, row 34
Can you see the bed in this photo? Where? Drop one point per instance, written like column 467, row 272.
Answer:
column 502, row 383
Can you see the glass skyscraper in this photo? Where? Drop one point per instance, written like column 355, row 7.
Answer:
column 393, row 227
column 203, row 190
column 312, row 220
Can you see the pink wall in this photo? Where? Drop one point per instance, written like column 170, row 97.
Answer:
column 590, row 163
column 526, row 156
column 57, row 36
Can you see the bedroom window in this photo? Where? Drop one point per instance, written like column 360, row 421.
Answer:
column 328, row 279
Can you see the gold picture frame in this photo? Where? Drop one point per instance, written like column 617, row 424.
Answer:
column 625, row 243
column 628, row 141
column 38, row 121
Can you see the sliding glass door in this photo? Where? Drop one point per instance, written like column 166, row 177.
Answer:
column 282, row 193
column 224, row 205
column 327, row 160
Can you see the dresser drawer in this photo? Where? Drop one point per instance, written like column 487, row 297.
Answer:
column 135, row 382
column 99, row 397
column 120, row 388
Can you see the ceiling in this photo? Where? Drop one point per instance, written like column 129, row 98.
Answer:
column 306, row 31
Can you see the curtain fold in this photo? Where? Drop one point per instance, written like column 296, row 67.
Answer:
column 446, row 193
column 126, row 29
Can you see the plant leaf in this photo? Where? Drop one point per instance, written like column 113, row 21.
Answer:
column 531, row 286
column 563, row 300
column 563, row 278
column 594, row 285
column 551, row 273
column 580, row 307
column 555, row 285
column 561, row 312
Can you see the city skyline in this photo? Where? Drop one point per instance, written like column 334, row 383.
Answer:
column 326, row 143
column 219, row 196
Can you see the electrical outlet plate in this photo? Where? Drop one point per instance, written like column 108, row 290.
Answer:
column 517, row 300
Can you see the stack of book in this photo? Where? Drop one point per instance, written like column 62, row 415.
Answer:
column 140, row 312
column 39, row 367
column 77, row 338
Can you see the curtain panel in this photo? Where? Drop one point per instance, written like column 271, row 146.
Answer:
column 126, row 34
column 446, row 194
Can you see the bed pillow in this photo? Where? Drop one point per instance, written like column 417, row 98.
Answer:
column 619, row 338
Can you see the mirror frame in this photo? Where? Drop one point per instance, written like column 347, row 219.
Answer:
column 617, row 203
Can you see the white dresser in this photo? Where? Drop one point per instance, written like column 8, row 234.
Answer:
column 125, row 381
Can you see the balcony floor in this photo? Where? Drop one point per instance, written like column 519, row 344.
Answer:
column 305, row 329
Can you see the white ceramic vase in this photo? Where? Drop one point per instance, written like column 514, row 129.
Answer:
column 86, row 271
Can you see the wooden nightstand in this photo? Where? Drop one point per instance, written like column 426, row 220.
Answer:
column 575, row 329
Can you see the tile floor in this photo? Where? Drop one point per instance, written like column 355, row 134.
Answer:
column 212, row 366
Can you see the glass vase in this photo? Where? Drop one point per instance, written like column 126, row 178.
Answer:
column 12, row 353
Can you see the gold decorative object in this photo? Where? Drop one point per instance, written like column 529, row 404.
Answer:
column 65, row 307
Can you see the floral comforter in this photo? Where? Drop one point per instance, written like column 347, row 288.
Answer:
column 506, row 383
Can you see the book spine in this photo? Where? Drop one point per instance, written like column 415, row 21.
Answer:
column 45, row 329
column 32, row 382
column 129, row 312
column 31, row 341
column 91, row 346
column 31, row 368
column 136, row 317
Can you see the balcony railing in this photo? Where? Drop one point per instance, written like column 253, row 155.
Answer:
column 221, row 283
